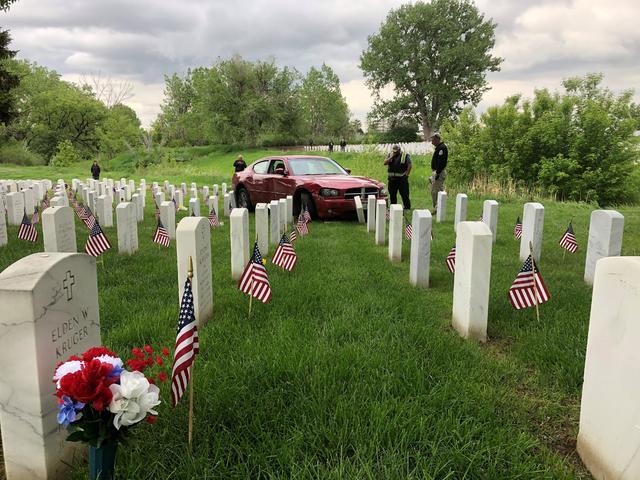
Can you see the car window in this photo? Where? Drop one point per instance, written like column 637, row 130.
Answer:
column 277, row 163
column 261, row 167
column 315, row 166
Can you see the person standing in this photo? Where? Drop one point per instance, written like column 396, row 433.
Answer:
column 95, row 170
column 398, row 170
column 343, row 144
column 239, row 164
column 331, row 147
column 438, row 166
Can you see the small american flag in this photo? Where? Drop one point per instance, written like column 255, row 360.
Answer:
column 451, row 260
column 307, row 215
column 45, row 202
column 302, row 226
column 97, row 242
column 36, row 216
column 213, row 218
column 285, row 256
column 528, row 289
column 408, row 231
column 161, row 237
column 517, row 231
column 254, row 280
column 568, row 240
column 27, row 231
column 187, row 346
column 175, row 204
column 293, row 236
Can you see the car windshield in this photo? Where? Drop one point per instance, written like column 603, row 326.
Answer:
column 315, row 166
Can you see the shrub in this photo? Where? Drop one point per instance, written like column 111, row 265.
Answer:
column 66, row 154
column 16, row 153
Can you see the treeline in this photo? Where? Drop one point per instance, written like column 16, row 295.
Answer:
column 236, row 101
column 58, row 122
column 575, row 145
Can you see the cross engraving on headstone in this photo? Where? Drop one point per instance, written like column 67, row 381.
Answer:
column 68, row 284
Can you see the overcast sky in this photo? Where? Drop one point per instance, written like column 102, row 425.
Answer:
column 541, row 41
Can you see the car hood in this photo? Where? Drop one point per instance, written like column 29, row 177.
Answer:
column 343, row 181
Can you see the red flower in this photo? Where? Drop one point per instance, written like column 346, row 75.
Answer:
column 148, row 349
column 151, row 419
column 159, row 360
column 96, row 352
column 151, row 380
column 137, row 352
column 149, row 361
column 89, row 385
column 162, row 376
column 165, row 351
column 136, row 364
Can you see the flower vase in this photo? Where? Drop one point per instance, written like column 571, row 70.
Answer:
column 102, row 462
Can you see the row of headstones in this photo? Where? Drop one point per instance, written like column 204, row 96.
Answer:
column 413, row 148
column 49, row 311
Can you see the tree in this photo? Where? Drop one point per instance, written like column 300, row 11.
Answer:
column 120, row 131
column 109, row 91
column 9, row 81
column 435, row 56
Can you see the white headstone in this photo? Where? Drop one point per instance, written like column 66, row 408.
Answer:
column 371, row 213
column 193, row 239
column 605, row 239
column 609, row 438
column 3, row 228
column 461, row 210
column 158, row 198
column 396, row 232
column 194, row 193
column 490, row 216
column 227, row 204
column 441, row 209
column 284, row 218
column 420, row 248
column 471, row 280
column 205, row 193
column 136, row 199
column 59, row 230
column 105, row 211
column 224, row 189
column 381, row 221
column 532, row 226
column 168, row 218
column 359, row 209
column 232, row 199
column 215, row 189
column 127, row 225
column 14, row 203
column 29, row 201
column 262, row 228
column 179, row 196
column 289, row 208
column 274, row 222
column 239, row 233
column 48, row 312
column 194, row 207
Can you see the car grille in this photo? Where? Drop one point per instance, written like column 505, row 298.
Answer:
column 361, row 192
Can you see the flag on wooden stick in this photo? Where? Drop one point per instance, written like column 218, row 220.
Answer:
column 293, row 237
column 285, row 256
column 568, row 240
column 254, row 281
column 27, row 230
column 187, row 345
column 517, row 231
column 161, row 237
column 213, row 218
column 451, row 260
column 35, row 218
column 408, row 231
column 528, row 289
column 307, row 214
column 302, row 226
column 97, row 242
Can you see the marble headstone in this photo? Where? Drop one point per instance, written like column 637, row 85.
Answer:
column 381, row 222
column 127, row 225
column 239, row 235
column 168, row 218
column 605, row 239
column 490, row 216
column 396, row 232
column 59, row 230
column 532, row 227
column 371, row 213
column 461, row 210
column 420, row 248
column 262, row 228
column 359, row 209
column 274, row 222
column 441, row 209
column 48, row 312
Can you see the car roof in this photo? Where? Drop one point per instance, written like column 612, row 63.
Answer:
column 288, row 157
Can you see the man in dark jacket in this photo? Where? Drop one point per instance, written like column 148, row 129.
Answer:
column 398, row 169
column 438, row 166
column 239, row 164
column 95, row 170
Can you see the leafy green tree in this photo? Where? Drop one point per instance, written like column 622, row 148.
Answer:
column 9, row 80
column 65, row 155
column 325, row 110
column 435, row 56
column 120, row 131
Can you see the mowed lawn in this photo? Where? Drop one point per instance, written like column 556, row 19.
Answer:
column 350, row 372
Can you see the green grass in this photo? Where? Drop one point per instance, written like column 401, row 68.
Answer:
column 350, row 372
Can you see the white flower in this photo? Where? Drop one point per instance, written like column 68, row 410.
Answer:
column 66, row 368
column 114, row 361
column 133, row 399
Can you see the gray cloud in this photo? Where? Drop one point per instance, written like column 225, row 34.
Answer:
column 542, row 41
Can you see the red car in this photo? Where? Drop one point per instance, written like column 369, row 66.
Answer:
column 317, row 182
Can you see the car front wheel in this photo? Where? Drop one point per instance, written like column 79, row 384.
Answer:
column 243, row 199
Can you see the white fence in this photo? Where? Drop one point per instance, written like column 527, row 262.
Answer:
column 413, row 148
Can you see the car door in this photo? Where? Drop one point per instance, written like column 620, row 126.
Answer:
column 283, row 185
column 258, row 190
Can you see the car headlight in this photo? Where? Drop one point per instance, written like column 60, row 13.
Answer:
column 329, row 192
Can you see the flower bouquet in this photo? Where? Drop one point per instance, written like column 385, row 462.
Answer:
column 99, row 400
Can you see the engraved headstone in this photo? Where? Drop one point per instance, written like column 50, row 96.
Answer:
column 59, row 230
column 127, row 225
column 239, row 234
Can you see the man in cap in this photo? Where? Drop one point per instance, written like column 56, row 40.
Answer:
column 398, row 170
column 438, row 166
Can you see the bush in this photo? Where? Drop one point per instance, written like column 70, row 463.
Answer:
column 16, row 153
column 66, row 154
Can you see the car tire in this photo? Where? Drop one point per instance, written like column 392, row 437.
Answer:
column 243, row 200
column 306, row 200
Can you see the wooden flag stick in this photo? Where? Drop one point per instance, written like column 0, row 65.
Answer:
column 190, row 276
column 250, row 295
column 535, row 287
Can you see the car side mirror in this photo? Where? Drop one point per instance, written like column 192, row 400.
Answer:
column 348, row 170
column 280, row 171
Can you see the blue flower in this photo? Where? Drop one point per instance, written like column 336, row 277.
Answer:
column 68, row 411
column 116, row 372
